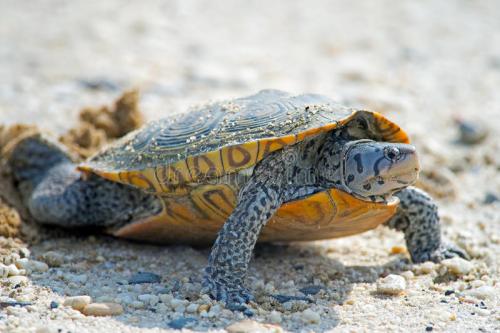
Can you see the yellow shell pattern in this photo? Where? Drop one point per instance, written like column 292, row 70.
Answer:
column 186, row 159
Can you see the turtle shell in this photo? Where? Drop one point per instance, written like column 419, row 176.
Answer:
column 178, row 158
column 224, row 137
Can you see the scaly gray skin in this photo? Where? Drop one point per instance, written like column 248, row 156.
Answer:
column 417, row 216
column 371, row 171
column 56, row 193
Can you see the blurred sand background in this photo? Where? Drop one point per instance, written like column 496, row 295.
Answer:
column 421, row 63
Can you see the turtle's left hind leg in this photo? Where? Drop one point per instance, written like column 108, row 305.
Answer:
column 417, row 216
column 55, row 192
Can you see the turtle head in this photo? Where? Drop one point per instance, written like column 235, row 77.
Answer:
column 375, row 170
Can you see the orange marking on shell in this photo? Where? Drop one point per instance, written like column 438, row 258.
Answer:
column 315, row 211
column 324, row 215
column 172, row 175
column 113, row 176
column 335, row 214
column 315, row 131
column 144, row 179
column 267, row 146
column 239, row 157
column 170, row 179
column 216, row 202
column 178, row 222
column 206, row 166
column 389, row 130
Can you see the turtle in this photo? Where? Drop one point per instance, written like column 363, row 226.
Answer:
column 272, row 166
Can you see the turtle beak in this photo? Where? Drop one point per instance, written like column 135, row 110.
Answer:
column 407, row 168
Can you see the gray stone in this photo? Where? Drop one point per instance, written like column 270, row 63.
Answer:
column 144, row 277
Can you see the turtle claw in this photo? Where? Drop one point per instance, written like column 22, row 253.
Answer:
column 448, row 250
column 234, row 297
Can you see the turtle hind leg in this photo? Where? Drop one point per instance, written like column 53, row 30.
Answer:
column 66, row 199
column 32, row 158
column 55, row 192
column 418, row 218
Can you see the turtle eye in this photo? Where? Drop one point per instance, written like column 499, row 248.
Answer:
column 392, row 153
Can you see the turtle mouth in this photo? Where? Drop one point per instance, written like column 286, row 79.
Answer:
column 406, row 178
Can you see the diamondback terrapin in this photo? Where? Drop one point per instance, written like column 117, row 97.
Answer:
column 271, row 166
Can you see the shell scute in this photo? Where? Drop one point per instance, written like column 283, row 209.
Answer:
column 225, row 137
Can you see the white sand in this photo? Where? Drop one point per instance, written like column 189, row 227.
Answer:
column 418, row 62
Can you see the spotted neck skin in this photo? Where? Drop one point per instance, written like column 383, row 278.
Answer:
column 319, row 167
column 329, row 161
column 323, row 163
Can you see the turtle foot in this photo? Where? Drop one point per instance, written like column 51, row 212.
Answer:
column 446, row 250
column 234, row 297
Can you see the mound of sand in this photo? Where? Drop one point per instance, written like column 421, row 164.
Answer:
column 96, row 127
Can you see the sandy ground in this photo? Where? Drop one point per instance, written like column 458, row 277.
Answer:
column 421, row 63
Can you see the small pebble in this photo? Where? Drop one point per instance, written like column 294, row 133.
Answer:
column 18, row 280
column 392, row 284
column 77, row 302
column 174, row 303
column 249, row 313
column 275, row 317
column 311, row 290
column 310, row 316
column 203, row 307
column 24, row 252
column 12, row 270
column 43, row 329
column 426, row 267
column 490, row 198
column 181, row 322
column 484, row 292
column 192, row 308
column 54, row 305
column 148, row 298
column 458, row 266
column 32, row 265
column 483, row 312
column 53, row 258
column 105, row 299
column 398, row 249
column 214, row 311
column 99, row 84
column 78, row 278
column 471, row 132
column 286, row 298
column 408, row 275
column 137, row 305
column 251, row 326
column 166, row 298
column 449, row 292
column 102, row 309
column 477, row 283
column 144, row 277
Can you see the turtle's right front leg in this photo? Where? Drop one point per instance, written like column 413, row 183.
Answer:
column 258, row 200
column 231, row 252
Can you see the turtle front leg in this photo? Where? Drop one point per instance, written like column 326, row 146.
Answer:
column 418, row 218
column 232, row 251
column 258, row 200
